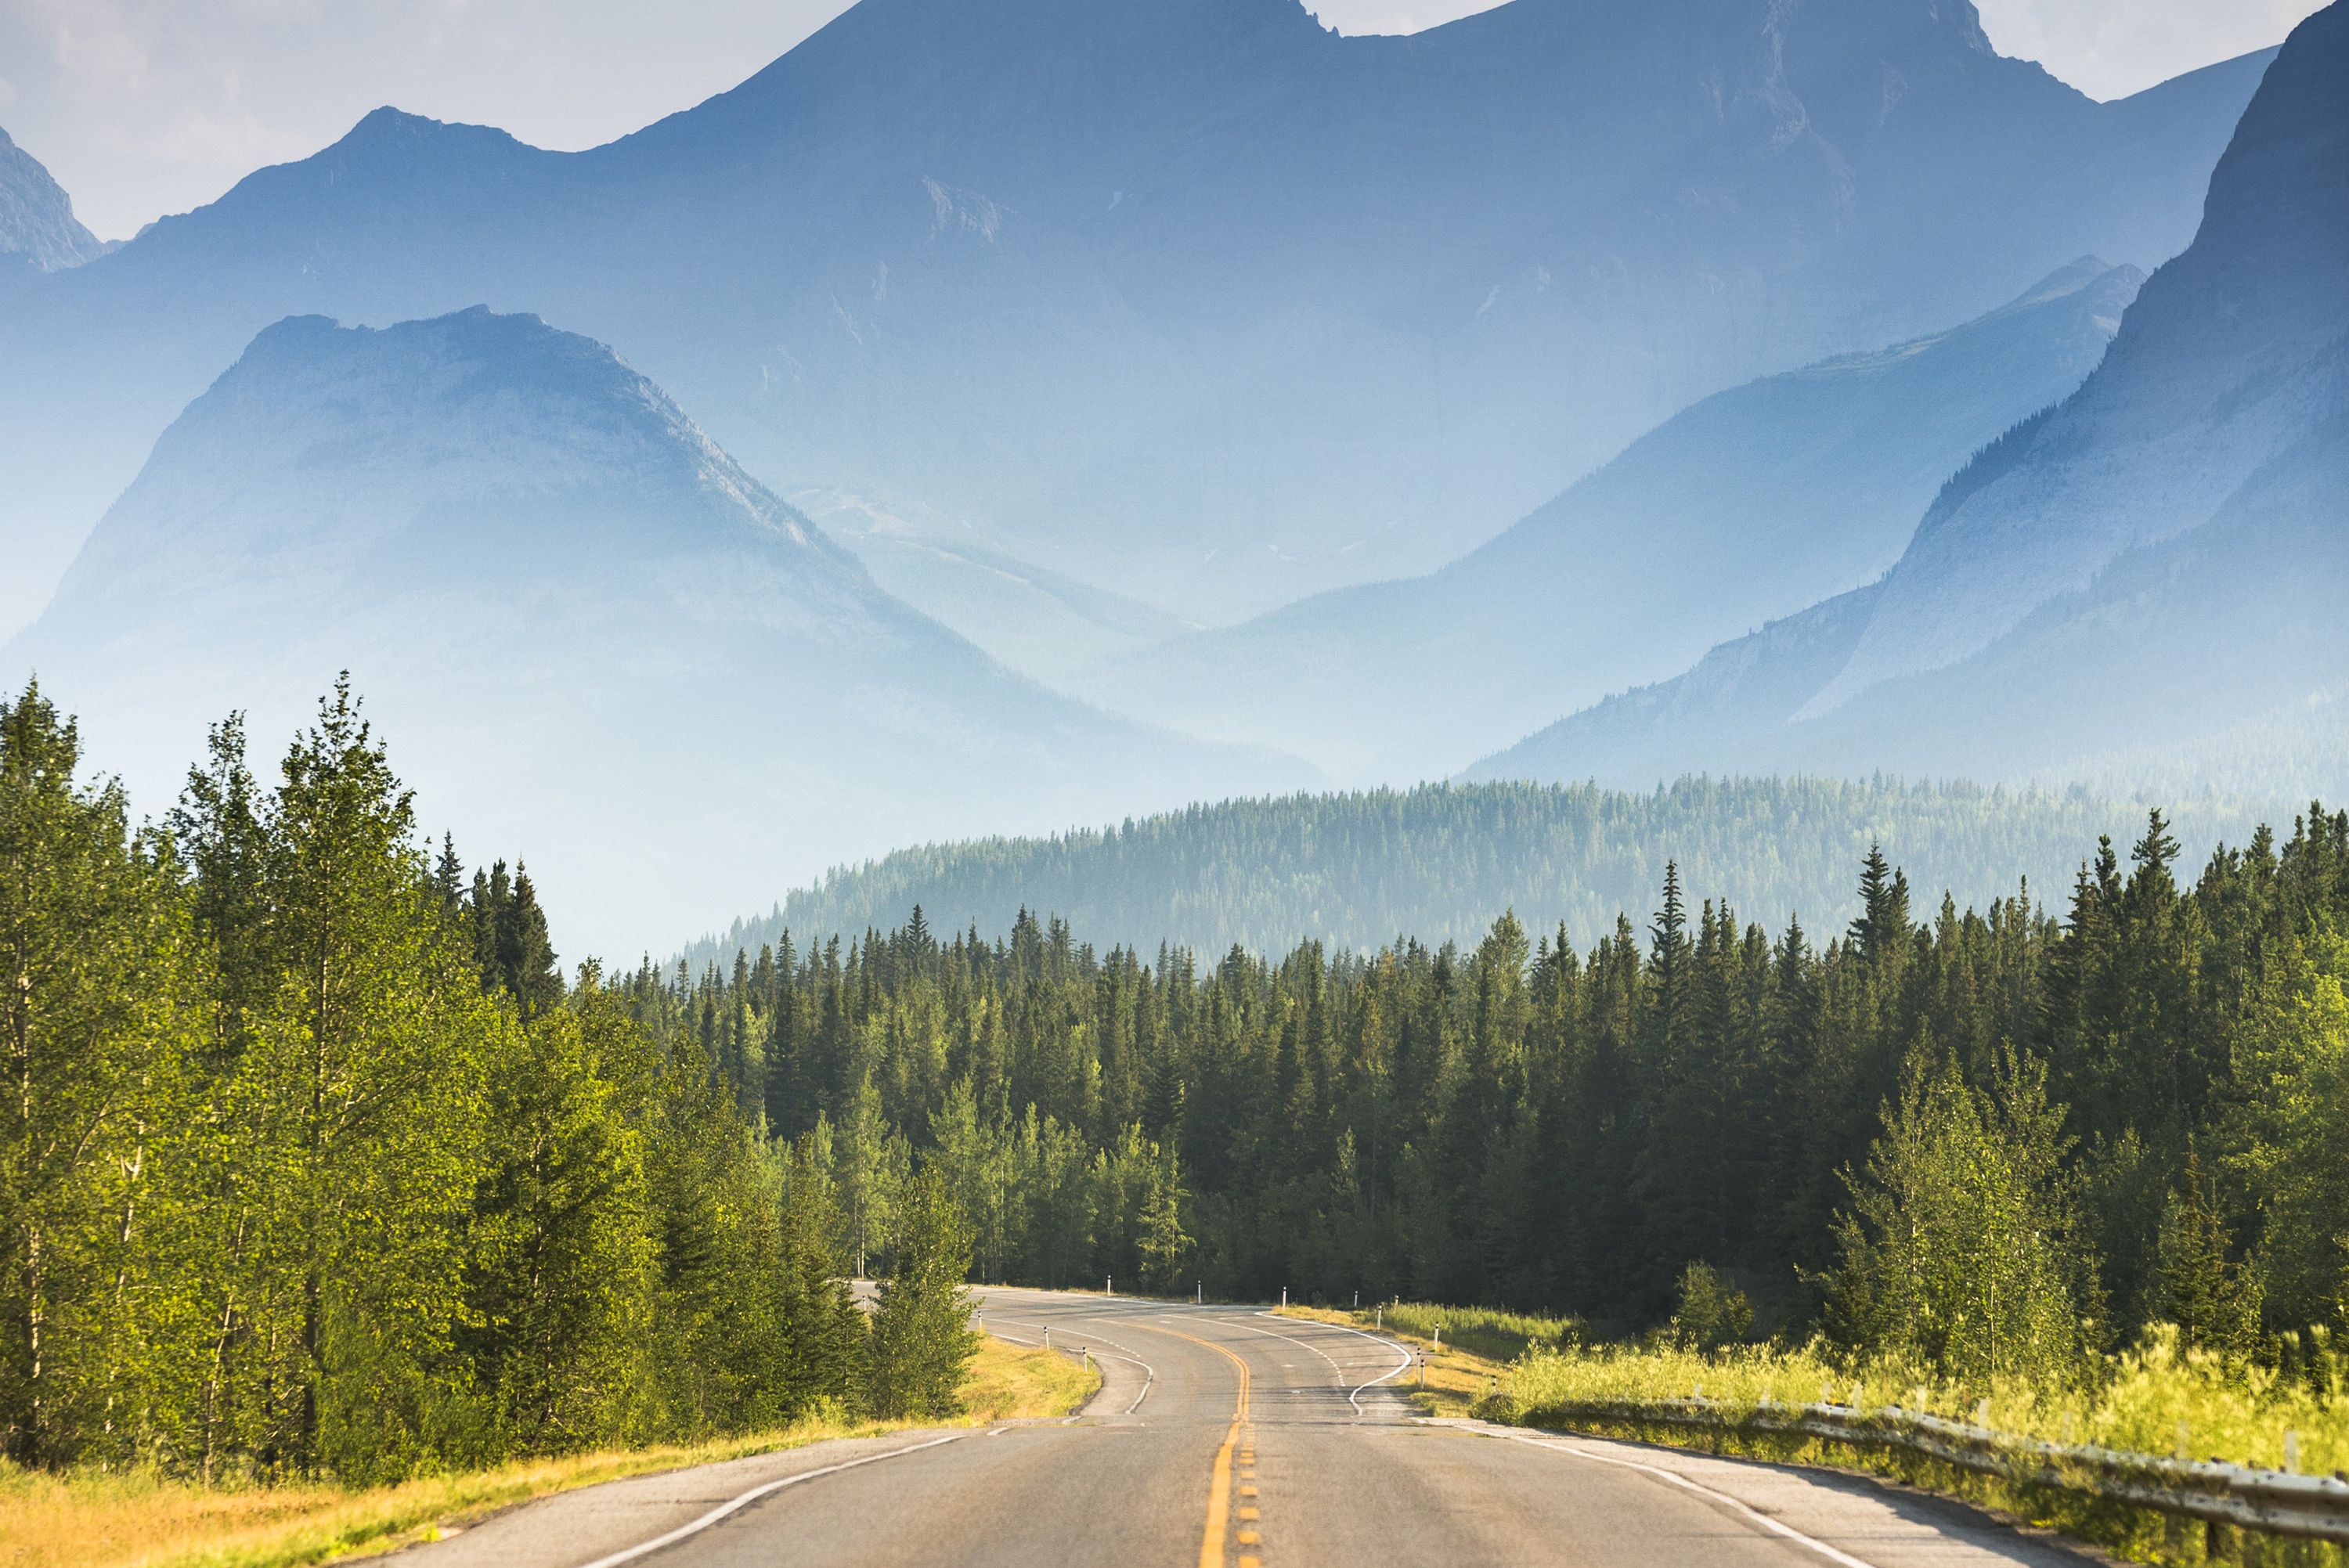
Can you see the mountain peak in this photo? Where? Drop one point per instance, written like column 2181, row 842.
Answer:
column 460, row 408
column 36, row 220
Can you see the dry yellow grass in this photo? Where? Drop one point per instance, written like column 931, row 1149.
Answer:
column 1013, row 1382
column 1455, row 1379
column 95, row 1520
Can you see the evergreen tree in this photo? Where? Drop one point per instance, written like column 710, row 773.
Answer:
column 823, row 1330
column 2200, row 1288
column 1164, row 1244
column 922, row 1339
column 561, row 1274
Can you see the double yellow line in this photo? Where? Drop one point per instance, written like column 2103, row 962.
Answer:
column 1219, row 1490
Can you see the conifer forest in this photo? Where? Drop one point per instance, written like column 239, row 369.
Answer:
column 318, row 1162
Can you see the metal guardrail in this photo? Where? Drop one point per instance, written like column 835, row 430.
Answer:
column 2273, row 1502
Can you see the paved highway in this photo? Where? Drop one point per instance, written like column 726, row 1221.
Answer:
column 1231, row 1438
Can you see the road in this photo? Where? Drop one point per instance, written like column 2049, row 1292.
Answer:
column 1228, row 1437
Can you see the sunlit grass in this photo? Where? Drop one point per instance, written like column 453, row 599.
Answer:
column 92, row 1519
column 2153, row 1399
column 1010, row 1382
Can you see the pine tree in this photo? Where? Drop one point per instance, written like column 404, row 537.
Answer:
column 525, row 956
column 1164, row 1243
column 561, row 1266
column 922, row 1339
column 2210, row 1296
column 823, row 1331
column 358, row 1102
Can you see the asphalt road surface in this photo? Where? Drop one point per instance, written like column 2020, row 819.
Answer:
column 1227, row 1438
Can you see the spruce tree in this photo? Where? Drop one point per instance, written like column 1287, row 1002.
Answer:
column 2208, row 1295
column 922, row 1339
column 824, row 1334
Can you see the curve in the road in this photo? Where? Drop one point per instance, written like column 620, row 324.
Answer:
column 1299, row 1472
column 1220, row 1482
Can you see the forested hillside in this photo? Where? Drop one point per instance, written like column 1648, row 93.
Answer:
column 2137, row 1095
column 1441, row 863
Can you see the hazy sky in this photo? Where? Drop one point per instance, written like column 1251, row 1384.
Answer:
column 146, row 107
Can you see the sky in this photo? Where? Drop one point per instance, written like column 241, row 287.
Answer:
column 141, row 107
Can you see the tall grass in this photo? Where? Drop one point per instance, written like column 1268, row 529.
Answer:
column 1489, row 1331
column 2153, row 1399
column 144, row 1519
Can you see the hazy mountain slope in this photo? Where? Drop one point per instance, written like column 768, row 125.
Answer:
column 1185, row 298
column 1748, row 506
column 582, row 626
column 1042, row 623
column 37, row 221
column 2213, row 660
column 1439, row 864
column 2158, row 562
column 2210, row 380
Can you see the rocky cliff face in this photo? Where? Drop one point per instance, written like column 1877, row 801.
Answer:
column 37, row 221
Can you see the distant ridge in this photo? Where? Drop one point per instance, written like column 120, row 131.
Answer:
column 1744, row 508
column 1440, row 862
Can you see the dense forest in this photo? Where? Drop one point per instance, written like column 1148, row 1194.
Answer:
column 315, row 1166
column 1439, row 863
column 319, row 1164
column 2135, row 1107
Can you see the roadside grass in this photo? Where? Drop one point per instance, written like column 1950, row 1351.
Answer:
column 142, row 1519
column 1486, row 1330
column 2152, row 1399
column 1017, row 1382
column 1457, row 1377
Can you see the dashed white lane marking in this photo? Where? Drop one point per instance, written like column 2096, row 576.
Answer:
column 756, row 1492
column 1778, row 1526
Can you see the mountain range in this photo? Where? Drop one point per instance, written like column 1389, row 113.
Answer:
column 1743, row 508
column 2146, row 579
column 1190, row 302
column 578, row 623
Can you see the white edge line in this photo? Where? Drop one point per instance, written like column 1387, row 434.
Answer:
column 755, row 1494
column 1831, row 1553
column 1339, row 1380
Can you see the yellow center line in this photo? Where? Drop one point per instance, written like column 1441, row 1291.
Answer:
column 1219, row 1488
